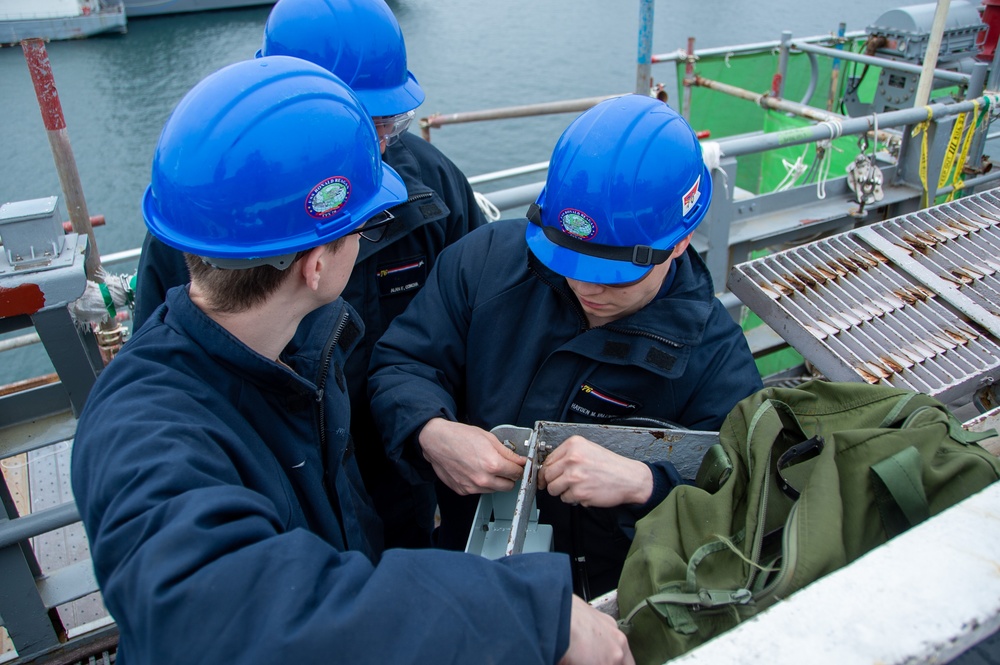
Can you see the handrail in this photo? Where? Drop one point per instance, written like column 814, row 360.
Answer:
column 438, row 120
column 19, row 529
column 885, row 63
column 508, row 173
column 743, row 49
column 736, row 146
column 806, row 45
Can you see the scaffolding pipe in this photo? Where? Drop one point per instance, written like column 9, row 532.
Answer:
column 885, row 63
column 931, row 56
column 43, row 80
column 737, row 146
column 19, row 342
column 769, row 102
column 744, row 49
column 109, row 333
column 778, row 82
column 688, row 76
column 644, row 74
column 835, row 70
column 508, row 173
column 438, row 120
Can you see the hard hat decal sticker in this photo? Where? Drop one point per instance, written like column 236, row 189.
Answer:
column 328, row 197
column 577, row 224
column 692, row 196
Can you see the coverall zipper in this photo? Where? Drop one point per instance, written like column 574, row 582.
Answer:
column 324, row 373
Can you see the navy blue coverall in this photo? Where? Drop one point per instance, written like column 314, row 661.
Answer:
column 497, row 338
column 228, row 522
column 440, row 209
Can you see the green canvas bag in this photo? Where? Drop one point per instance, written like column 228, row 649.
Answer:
column 804, row 481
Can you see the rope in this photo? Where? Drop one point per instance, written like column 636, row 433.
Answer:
column 711, row 155
column 792, row 171
column 824, row 166
column 835, row 126
column 490, row 211
column 101, row 302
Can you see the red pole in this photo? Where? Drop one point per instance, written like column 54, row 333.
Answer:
column 109, row 333
column 55, row 125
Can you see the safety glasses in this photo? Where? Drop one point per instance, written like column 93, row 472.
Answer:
column 390, row 127
column 375, row 228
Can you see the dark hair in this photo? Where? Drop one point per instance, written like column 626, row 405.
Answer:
column 235, row 291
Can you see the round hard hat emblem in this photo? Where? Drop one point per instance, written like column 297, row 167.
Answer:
column 577, row 224
column 328, row 197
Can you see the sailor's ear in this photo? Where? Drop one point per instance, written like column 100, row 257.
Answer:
column 312, row 264
column 682, row 246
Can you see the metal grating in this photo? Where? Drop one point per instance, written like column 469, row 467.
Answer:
column 912, row 302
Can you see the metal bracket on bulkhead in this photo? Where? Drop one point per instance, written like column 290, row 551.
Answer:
column 507, row 522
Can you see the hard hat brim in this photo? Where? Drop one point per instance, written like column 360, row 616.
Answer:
column 594, row 270
column 392, row 101
column 391, row 193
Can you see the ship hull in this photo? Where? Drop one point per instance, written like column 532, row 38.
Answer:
column 134, row 8
column 62, row 27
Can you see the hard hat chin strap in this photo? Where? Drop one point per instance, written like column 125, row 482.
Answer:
column 640, row 255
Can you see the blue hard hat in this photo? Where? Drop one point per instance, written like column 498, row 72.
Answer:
column 625, row 184
column 265, row 158
column 358, row 40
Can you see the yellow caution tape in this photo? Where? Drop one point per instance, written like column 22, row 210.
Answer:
column 963, row 156
column 923, row 127
column 954, row 142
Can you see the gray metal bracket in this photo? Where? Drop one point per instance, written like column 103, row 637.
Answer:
column 507, row 522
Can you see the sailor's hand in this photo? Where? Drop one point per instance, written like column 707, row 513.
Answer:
column 468, row 459
column 581, row 472
column 594, row 638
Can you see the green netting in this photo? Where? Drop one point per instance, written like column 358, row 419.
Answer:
column 724, row 115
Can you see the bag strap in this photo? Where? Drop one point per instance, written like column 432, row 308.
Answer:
column 691, row 578
column 898, row 480
column 899, row 491
column 779, row 430
column 965, row 436
column 892, row 417
column 674, row 602
column 675, row 606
